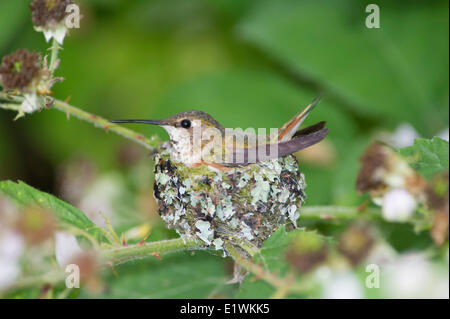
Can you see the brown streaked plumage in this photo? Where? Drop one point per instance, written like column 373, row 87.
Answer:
column 222, row 151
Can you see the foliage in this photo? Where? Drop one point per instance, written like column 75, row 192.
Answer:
column 248, row 64
column 428, row 156
column 26, row 195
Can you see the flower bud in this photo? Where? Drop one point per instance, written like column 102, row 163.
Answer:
column 25, row 73
column 36, row 225
column 66, row 248
column 20, row 70
column 11, row 249
column 391, row 182
column 438, row 203
column 356, row 242
column 307, row 251
column 383, row 169
column 398, row 205
column 48, row 17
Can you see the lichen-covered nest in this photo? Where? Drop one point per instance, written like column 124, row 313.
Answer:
column 245, row 204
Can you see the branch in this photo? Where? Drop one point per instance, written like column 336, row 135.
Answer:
column 341, row 213
column 54, row 56
column 119, row 255
column 122, row 254
column 255, row 269
column 149, row 143
column 283, row 286
column 98, row 121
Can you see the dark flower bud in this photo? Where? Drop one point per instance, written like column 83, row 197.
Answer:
column 356, row 242
column 391, row 182
column 36, row 225
column 437, row 194
column 307, row 251
column 49, row 17
column 19, row 69
column 47, row 13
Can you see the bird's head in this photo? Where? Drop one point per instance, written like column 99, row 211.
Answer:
column 181, row 126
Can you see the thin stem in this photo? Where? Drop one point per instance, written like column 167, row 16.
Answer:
column 10, row 98
column 115, row 256
column 54, row 56
column 341, row 213
column 150, row 144
column 98, row 121
column 52, row 278
column 121, row 254
column 9, row 106
column 282, row 286
column 255, row 269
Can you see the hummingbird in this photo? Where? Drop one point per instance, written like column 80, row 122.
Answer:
column 230, row 186
column 196, row 139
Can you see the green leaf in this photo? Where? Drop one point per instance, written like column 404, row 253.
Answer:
column 25, row 195
column 427, row 156
column 12, row 16
column 383, row 72
column 343, row 183
column 271, row 258
column 180, row 275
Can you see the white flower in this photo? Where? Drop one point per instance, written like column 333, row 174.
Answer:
column 381, row 253
column 403, row 136
column 100, row 199
column 11, row 249
column 58, row 33
column 342, row 286
column 443, row 134
column 66, row 248
column 398, row 205
column 414, row 276
column 30, row 103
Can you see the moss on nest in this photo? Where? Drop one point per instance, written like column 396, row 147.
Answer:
column 244, row 204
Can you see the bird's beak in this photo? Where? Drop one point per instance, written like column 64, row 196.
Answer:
column 156, row 122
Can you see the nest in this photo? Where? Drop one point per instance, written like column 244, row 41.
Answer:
column 245, row 204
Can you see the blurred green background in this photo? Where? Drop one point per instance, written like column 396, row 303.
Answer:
column 247, row 63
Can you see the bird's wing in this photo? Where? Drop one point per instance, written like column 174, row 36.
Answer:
column 310, row 129
column 238, row 156
column 287, row 131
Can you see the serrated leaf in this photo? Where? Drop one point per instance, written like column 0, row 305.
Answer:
column 25, row 195
column 427, row 156
column 181, row 275
column 383, row 72
column 272, row 259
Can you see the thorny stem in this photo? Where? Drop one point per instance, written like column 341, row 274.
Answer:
column 51, row 278
column 283, row 286
column 122, row 254
column 149, row 143
column 341, row 213
column 54, row 56
column 98, row 121
column 253, row 268
column 119, row 255
column 114, row 256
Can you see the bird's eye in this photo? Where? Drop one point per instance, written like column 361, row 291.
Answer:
column 186, row 123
